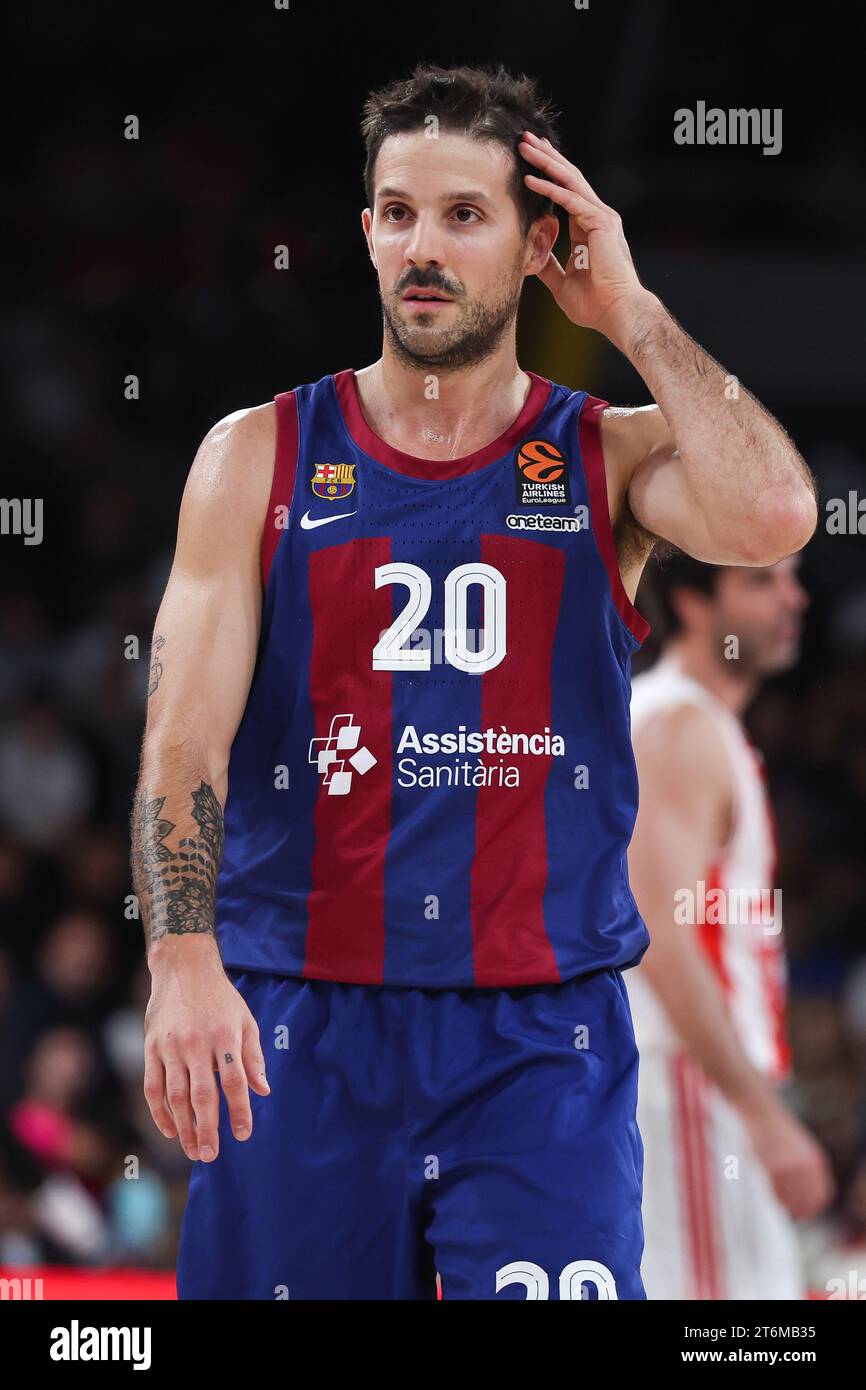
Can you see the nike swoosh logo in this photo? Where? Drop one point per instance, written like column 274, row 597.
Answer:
column 307, row 522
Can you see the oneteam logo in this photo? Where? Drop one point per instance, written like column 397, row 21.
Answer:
column 331, row 755
column 541, row 521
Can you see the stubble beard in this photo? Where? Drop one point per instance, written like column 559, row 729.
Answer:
column 479, row 330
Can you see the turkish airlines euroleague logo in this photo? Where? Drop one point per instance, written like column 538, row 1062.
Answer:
column 542, row 475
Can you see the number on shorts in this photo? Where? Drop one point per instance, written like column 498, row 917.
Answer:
column 570, row 1280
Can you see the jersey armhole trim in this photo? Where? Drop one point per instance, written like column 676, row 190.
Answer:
column 592, row 454
column 283, row 481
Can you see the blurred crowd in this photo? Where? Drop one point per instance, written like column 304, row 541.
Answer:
column 186, row 300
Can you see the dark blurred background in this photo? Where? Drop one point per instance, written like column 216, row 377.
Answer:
column 154, row 258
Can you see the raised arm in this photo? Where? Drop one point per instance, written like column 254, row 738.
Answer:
column 683, row 821
column 202, row 660
column 706, row 467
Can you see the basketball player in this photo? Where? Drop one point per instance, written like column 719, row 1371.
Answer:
column 390, row 707
column 727, row 1164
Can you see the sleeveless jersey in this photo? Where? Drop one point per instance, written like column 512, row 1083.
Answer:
column 736, row 909
column 432, row 783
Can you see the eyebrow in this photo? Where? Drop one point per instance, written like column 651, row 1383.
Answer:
column 465, row 195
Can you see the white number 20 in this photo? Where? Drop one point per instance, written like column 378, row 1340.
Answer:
column 390, row 652
column 570, row 1280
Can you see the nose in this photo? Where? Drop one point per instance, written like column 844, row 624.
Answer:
column 424, row 246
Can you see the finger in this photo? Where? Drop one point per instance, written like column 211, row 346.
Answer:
column 552, row 274
column 547, row 157
column 177, row 1095
column 154, row 1094
column 205, row 1105
column 235, row 1089
column 253, row 1059
column 587, row 214
column 563, row 169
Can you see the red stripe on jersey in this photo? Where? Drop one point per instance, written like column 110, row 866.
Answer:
column 592, row 453
column 711, row 934
column 691, row 1099
column 688, row 1189
column 283, row 483
column 352, row 817
column 509, row 870
column 707, row 1177
column 771, row 951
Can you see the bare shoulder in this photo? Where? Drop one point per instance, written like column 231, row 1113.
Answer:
column 629, row 434
column 225, row 499
column 236, row 456
column 681, row 748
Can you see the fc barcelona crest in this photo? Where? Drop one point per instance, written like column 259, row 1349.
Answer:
column 333, row 481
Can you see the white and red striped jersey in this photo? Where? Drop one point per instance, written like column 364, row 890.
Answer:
column 743, row 941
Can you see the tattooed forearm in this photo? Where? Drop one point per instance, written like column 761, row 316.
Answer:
column 155, row 665
column 176, row 887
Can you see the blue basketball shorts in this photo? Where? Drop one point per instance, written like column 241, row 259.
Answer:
column 487, row 1135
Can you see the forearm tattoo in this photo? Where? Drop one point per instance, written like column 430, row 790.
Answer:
column 176, row 888
column 155, row 665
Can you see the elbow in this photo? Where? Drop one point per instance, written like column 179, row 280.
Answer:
column 781, row 522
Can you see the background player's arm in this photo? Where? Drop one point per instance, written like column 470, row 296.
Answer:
column 683, row 821
column 202, row 660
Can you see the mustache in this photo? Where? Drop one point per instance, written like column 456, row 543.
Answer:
column 418, row 280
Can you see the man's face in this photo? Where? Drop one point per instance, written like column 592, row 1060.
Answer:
column 764, row 609
column 444, row 221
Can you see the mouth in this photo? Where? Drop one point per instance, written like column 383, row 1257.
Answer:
column 416, row 296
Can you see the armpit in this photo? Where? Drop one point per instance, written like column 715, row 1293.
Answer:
column 634, row 544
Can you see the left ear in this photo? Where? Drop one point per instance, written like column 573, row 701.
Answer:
column 367, row 228
column 540, row 242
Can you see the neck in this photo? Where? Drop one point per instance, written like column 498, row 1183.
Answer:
column 735, row 686
column 437, row 414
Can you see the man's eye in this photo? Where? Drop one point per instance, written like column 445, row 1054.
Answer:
column 471, row 211
column 388, row 212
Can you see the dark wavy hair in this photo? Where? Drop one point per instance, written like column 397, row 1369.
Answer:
column 483, row 102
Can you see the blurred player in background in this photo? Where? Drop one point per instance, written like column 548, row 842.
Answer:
column 728, row 1166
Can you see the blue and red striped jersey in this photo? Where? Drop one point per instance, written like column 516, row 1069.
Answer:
column 432, row 783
